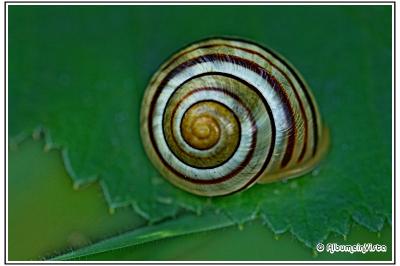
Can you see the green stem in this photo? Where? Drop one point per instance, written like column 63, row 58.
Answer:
column 183, row 225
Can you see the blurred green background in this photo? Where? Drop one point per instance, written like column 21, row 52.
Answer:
column 47, row 216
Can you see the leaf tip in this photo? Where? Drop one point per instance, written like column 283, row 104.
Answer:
column 47, row 147
column 76, row 185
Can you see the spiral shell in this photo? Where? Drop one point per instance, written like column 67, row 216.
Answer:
column 223, row 114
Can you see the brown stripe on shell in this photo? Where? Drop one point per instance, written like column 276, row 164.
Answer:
column 276, row 86
column 305, row 91
column 214, row 181
column 236, row 170
column 293, row 72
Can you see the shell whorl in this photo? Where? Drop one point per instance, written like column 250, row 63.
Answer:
column 223, row 114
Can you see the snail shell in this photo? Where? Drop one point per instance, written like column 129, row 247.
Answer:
column 223, row 114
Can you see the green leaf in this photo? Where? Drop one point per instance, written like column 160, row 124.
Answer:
column 79, row 218
column 78, row 73
column 180, row 226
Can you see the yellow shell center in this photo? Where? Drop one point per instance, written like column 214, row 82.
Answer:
column 203, row 133
column 202, row 124
column 207, row 126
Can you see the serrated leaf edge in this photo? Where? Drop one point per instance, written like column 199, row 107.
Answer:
column 42, row 133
